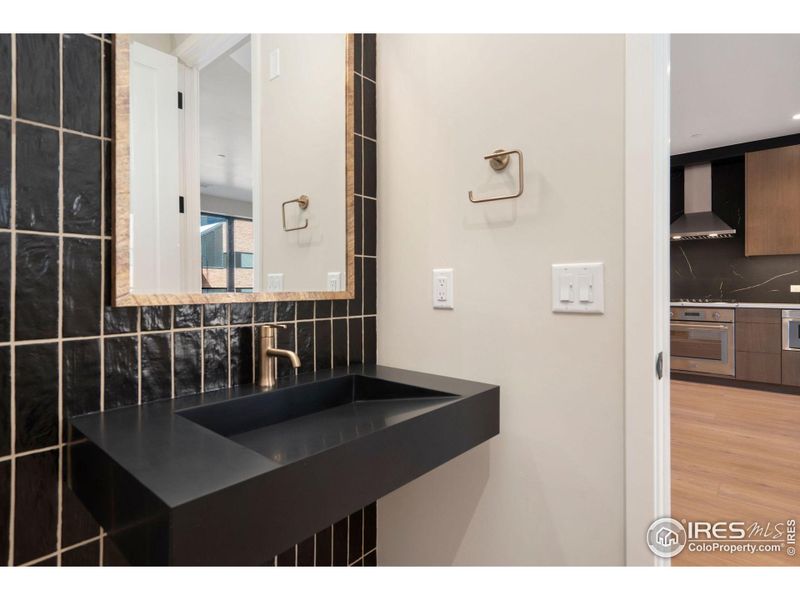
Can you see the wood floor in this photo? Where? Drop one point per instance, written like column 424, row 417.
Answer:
column 735, row 456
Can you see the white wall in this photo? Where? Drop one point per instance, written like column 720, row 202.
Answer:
column 303, row 152
column 550, row 488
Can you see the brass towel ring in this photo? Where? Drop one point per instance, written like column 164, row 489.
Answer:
column 303, row 202
column 498, row 160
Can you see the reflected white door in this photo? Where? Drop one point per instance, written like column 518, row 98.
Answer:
column 155, row 218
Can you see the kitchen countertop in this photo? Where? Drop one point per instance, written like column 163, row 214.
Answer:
column 777, row 305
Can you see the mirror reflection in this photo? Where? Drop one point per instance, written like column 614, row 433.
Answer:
column 239, row 178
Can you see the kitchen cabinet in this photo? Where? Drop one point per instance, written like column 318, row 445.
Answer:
column 758, row 345
column 772, row 201
column 790, row 368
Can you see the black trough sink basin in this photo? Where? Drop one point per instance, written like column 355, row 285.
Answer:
column 236, row 476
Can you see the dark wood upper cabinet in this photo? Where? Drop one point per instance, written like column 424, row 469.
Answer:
column 772, row 201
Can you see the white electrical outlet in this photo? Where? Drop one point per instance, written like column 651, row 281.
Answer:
column 335, row 281
column 794, row 289
column 443, row 288
column 274, row 282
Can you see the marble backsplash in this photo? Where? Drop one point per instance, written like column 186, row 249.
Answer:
column 719, row 268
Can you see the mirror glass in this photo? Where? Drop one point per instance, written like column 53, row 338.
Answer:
column 239, row 164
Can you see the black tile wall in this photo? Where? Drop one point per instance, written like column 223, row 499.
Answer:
column 5, row 173
column 37, row 178
column 82, row 83
column 38, row 96
column 74, row 353
column 82, row 183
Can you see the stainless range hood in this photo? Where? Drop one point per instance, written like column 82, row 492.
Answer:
column 698, row 221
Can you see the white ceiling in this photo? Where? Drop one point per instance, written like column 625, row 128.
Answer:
column 728, row 89
column 225, row 126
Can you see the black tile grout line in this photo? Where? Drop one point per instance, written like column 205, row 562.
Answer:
column 105, row 256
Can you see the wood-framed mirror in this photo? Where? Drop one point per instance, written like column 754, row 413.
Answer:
column 234, row 168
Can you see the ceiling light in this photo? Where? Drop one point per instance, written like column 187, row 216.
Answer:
column 796, row 117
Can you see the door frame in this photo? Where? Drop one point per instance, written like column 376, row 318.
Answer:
column 647, row 402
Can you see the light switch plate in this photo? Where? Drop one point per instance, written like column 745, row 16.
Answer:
column 578, row 288
column 794, row 289
column 443, row 288
column 274, row 282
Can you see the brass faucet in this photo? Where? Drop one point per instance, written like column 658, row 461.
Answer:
column 270, row 353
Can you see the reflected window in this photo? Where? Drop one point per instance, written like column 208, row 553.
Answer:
column 226, row 253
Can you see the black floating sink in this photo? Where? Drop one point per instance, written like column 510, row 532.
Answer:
column 236, row 476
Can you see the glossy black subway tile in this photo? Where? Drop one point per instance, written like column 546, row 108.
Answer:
column 108, row 92
column 241, row 355
column 36, row 396
column 108, row 195
column 82, row 184
column 355, row 341
column 355, row 536
column 370, row 341
column 112, row 557
column 370, row 227
column 358, row 166
column 81, row 287
column 340, row 543
column 5, row 403
column 322, row 344
column 339, row 342
column 187, row 315
column 121, row 372
column 323, row 551
column 339, row 308
column 357, row 95
column 371, row 559
column 215, row 314
column 188, row 363
column 358, row 224
column 156, row 366
column 322, row 310
column 370, row 169
column 370, row 121
column 37, row 172
column 215, row 359
column 305, row 346
column 369, row 55
column 241, row 313
column 5, row 508
column 285, row 311
column 5, row 81
column 305, row 310
column 38, row 78
column 80, row 382
column 35, row 505
column 81, row 74
column 357, row 51
column 156, row 318
column 5, row 286
column 5, row 173
column 264, row 312
column 370, row 286
column 370, row 527
column 36, row 296
column 356, row 305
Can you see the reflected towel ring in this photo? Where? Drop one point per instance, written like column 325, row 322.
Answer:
column 303, row 202
column 498, row 160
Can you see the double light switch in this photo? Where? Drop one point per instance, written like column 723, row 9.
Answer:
column 578, row 288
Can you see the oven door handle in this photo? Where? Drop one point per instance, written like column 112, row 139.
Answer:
column 698, row 326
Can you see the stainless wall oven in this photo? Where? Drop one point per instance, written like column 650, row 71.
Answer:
column 791, row 330
column 702, row 340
